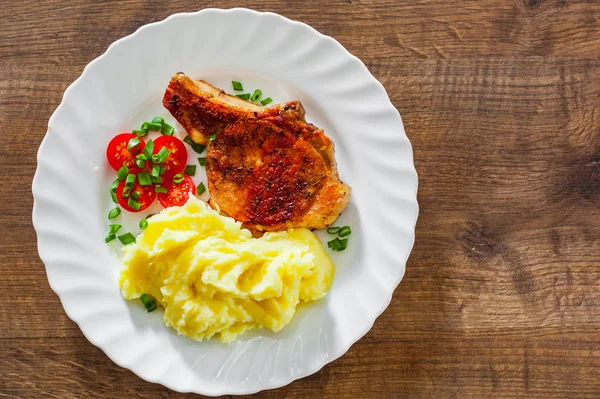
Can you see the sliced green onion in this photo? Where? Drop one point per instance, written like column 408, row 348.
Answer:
column 160, row 190
column 114, row 228
column 161, row 156
column 140, row 160
column 157, row 180
column 178, row 178
column 155, row 170
column 113, row 191
column 133, row 204
column 122, row 172
column 212, row 137
column 149, row 149
column 126, row 192
column 133, row 143
column 143, row 224
column 135, row 195
column 245, row 96
column 114, row 213
column 163, row 169
column 126, row 238
column 338, row 244
column 140, row 132
column 266, row 101
column 256, row 95
column 145, row 125
column 190, row 170
column 200, row 189
column 237, row 86
column 144, row 179
column 158, row 119
column 110, row 237
column 155, row 127
column 143, row 157
column 333, row 230
column 199, row 148
column 130, row 180
column 140, row 163
column 202, row 161
column 150, row 215
column 149, row 304
column 345, row 231
column 167, row 129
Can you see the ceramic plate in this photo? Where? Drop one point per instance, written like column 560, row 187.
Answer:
column 288, row 60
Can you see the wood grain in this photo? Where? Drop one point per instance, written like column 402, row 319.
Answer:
column 501, row 100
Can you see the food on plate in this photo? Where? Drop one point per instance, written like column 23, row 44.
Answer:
column 266, row 167
column 214, row 279
column 178, row 191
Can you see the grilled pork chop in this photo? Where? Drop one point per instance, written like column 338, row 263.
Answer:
column 267, row 167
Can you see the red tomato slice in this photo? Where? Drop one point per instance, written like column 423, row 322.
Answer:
column 147, row 196
column 118, row 154
column 177, row 159
column 177, row 194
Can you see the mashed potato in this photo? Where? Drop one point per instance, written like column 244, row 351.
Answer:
column 214, row 279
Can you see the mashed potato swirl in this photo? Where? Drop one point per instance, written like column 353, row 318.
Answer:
column 214, row 279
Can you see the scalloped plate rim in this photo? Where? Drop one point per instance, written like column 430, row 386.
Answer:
column 270, row 384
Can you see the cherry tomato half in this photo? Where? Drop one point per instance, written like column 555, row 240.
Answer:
column 177, row 194
column 146, row 198
column 118, row 154
column 177, row 159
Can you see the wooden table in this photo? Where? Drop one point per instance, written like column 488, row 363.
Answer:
column 501, row 100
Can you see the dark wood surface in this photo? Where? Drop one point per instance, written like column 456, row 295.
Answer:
column 501, row 100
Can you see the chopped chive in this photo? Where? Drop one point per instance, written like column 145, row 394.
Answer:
column 160, row 190
column 149, row 304
column 140, row 132
column 155, row 127
column 140, row 160
column 190, row 170
column 156, row 180
column 113, row 191
column 161, row 156
column 135, row 195
column 167, row 129
column 158, row 119
column 333, row 230
column 199, row 148
column 114, row 228
column 200, row 189
column 133, row 144
column 140, row 163
column 149, row 149
column 145, row 125
column 143, row 224
column 143, row 157
column 256, row 95
column 212, row 137
column 237, row 86
column 155, row 170
column 266, row 101
column 202, row 161
column 245, row 96
column 130, row 180
column 126, row 192
column 163, row 169
column 133, row 204
column 114, row 213
column 178, row 178
column 337, row 244
column 126, row 238
column 345, row 231
column 150, row 215
column 110, row 237
column 144, row 179
column 122, row 172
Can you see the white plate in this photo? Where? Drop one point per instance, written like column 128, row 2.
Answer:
column 288, row 60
